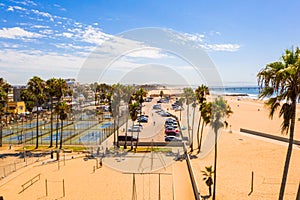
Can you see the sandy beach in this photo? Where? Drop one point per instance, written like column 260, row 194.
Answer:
column 238, row 156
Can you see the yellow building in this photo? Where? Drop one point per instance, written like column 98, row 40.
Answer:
column 16, row 107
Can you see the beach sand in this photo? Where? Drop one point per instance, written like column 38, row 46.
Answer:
column 238, row 156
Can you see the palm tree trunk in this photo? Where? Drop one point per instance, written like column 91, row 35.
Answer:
column 37, row 128
column 51, row 125
column 131, row 147
column 215, row 166
column 188, row 121
column 118, row 127
column 56, row 142
column 61, row 134
column 136, row 144
column 1, row 128
column 192, row 140
column 198, row 131
column 126, row 127
column 289, row 153
column 201, row 136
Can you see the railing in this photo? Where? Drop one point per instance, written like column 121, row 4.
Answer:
column 30, row 182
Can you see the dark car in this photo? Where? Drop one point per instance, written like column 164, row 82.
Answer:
column 123, row 138
column 172, row 138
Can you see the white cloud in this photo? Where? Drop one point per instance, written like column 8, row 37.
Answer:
column 45, row 65
column 44, row 14
column 194, row 37
column 93, row 35
column 2, row 4
column 147, row 53
column 10, row 8
column 9, row 45
column 74, row 47
column 17, row 33
column 26, row 3
column 67, row 35
column 223, row 47
column 39, row 26
column 46, row 32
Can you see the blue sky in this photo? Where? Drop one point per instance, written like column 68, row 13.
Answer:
column 53, row 38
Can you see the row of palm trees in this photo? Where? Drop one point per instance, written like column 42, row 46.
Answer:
column 38, row 92
column 4, row 88
column 279, row 82
column 213, row 113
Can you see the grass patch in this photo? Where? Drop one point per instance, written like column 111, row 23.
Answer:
column 32, row 148
column 146, row 149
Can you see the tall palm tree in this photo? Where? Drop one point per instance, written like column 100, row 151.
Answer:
column 133, row 107
column 61, row 89
column 208, row 178
column 127, row 98
column 62, row 109
column 51, row 92
column 205, row 115
column 4, row 88
column 194, row 105
column 188, row 95
column 200, row 93
column 280, row 81
column 115, row 106
column 29, row 100
column 161, row 94
column 36, row 86
column 140, row 94
column 220, row 110
column 180, row 104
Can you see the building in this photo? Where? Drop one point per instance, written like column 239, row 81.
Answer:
column 16, row 107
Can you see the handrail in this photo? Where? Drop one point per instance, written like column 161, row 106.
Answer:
column 30, row 182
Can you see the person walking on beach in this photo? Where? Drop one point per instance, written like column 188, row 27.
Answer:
column 100, row 162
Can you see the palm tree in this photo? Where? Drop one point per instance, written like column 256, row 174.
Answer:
column 127, row 98
column 29, row 100
column 140, row 94
column 194, row 105
column 180, row 104
column 115, row 106
column 201, row 93
column 205, row 115
column 280, row 81
column 4, row 88
column 208, row 178
column 36, row 86
column 61, row 89
column 161, row 94
column 188, row 95
column 219, row 111
column 62, row 109
column 133, row 107
column 51, row 92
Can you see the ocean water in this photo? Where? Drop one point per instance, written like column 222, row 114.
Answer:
column 251, row 91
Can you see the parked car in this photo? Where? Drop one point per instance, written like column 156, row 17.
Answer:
column 134, row 129
column 171, row 131
column 156, row 106
column 172, row 138
column 142, row 119
column 128, row 138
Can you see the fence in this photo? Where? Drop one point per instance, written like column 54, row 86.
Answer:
column 16, row 165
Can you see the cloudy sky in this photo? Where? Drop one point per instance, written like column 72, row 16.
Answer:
column 54, row 38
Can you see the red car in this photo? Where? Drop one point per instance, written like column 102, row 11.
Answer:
column 171, row 131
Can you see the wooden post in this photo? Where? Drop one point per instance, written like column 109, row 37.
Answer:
column 252, row 180
column 46, row 185
column 64, row 192
column 298, row 193
column 159, row 195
